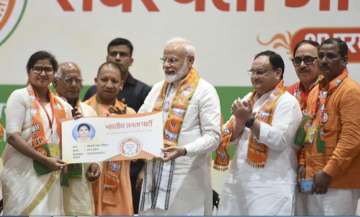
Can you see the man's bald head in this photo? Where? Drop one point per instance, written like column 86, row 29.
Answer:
column 67, row 67
column 68, row 82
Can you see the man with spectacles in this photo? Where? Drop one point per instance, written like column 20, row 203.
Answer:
column 68, row 83
column 180, row 183
column 77, row 192
column 262, row 176
column 305, row 61
column 330, row 135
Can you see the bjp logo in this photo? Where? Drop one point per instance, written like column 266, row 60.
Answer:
column 11, row 12
column 288, row 41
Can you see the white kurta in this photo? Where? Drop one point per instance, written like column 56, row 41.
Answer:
column 269, row 190
column 78, row 199
column 200, row 134
column 21, row 185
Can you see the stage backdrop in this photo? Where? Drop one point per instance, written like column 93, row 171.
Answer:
column 226, row 34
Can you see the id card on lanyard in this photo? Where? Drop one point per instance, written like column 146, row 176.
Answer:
column 53, row 143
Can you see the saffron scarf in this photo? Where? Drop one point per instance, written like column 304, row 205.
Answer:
column 111, row 188
column 316, row 116
column 300, row 93
column 178, row 107
column 158, row 183
column 38, row 139
column 2, row 135
column 2, row 132
column 257, row 152
column 105, row 113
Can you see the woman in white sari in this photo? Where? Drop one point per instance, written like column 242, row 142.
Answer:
column 32, row 165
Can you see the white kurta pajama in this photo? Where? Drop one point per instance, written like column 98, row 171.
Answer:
column 190, row 191
column 78, row 199
column 23, row 189
column 269, row 190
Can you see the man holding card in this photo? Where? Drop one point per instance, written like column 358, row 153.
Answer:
column 180, row 183
column 77, row 188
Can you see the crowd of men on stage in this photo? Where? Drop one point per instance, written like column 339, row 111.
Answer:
column 297, row 148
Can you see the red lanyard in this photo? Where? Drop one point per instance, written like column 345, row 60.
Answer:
column 50, row 120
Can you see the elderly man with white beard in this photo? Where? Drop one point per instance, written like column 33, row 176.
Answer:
column 180, row 182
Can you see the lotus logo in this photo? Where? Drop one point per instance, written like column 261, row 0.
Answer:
column 130, row 147
column 288, row 41
column 11, row 12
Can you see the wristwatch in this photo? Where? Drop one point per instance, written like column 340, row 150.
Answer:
column 249, row 123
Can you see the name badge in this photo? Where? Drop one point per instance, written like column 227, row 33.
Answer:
column 310, row 135
column 306, row 185
column 115, row 167
column 54, row 150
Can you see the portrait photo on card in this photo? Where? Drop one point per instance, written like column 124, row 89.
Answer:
column 83, row 132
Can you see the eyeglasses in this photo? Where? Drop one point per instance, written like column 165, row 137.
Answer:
column 70, row 80
column 308, row 60
column 39, row 69
column 170, row 60
column 260, row 72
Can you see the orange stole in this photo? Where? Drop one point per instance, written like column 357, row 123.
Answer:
column 316, row 118
column 1, row 131
column 38, row 139
column 112, row 191
column 257, row 153
column 179, row 105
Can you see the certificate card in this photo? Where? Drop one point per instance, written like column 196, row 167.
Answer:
column 126, row 137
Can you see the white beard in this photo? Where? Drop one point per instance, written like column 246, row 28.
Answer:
column 170, row 78
column 178, row 75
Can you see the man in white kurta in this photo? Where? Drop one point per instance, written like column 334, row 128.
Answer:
column 78, row 199
column 267, row 189
column 185, row 184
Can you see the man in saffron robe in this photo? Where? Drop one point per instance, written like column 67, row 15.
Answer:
column 133, row 93
column 112, row 191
